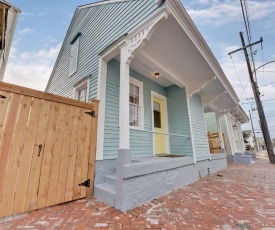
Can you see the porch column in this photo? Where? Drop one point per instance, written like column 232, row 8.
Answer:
column 124, row 156
column 220, row 132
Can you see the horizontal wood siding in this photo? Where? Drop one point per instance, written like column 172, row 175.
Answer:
column 99, row 26
column 226, row 135
column 211, row 124
column 199, row 129
column 141, row 143
column 178, row 121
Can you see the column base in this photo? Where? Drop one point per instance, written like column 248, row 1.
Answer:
column 124, row 157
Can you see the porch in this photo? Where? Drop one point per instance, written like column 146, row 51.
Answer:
column 190, row 80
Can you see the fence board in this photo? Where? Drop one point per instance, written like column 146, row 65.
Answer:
column 15, row 157
column 72, row 157
column 60, row 133
column 63, row 170
column 31, row 196
column 47, row 156
column 88, row 125
column 79, row 156
column 92, row 154
column 7, row 136
column 4, row 107
column 27, row 153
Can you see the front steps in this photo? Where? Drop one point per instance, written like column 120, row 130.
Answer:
column 106, row 191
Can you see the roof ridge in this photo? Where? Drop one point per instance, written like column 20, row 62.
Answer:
column 103, row 2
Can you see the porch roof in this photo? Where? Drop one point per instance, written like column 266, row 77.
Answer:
column 175, row 49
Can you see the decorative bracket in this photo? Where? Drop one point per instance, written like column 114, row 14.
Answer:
column 195, row 87
column 138, row 39
column 208, row 100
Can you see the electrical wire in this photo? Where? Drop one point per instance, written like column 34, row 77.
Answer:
column 238, row 77
column 245, row 12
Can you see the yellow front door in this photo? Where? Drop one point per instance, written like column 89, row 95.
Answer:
column 159, row 127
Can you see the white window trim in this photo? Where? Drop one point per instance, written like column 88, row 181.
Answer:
column 76, row 64
column 140, row 85
column 79, row 86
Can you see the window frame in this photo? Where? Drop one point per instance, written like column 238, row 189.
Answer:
column 74, row 54
column 81, row 85
column 139, row 84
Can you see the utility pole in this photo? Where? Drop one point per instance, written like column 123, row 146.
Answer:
column 258, row 100
column 255, row 140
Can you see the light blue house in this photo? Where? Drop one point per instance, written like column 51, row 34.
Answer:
column 155, row 76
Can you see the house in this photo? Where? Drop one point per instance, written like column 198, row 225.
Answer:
column 230, row 127
column 155, row 77
column 250, row 141
column 8, row 19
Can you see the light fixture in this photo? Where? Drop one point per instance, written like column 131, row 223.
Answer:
column 234, row 126
column 156, row 75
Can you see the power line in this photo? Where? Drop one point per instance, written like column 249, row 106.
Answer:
column 238, row 76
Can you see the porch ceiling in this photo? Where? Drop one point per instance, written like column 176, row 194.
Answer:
column 171, row 52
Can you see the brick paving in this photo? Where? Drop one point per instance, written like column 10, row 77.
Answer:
column 240, row 197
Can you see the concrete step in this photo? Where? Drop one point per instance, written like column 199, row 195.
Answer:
column 105, row 192
column 110, row 179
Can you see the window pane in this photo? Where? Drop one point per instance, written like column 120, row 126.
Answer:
column 82, row 94
column 133, row 115
column 157, row 115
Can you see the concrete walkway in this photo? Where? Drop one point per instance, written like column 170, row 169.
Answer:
column 240, row 197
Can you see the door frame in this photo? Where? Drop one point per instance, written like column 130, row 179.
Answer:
column 166, row 127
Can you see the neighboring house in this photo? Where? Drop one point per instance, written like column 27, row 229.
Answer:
column 155, row 76
column 230, row 127
column 8, row 19
column 250, row 139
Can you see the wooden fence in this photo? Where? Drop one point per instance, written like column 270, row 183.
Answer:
column 47, row 148
column 214, row 142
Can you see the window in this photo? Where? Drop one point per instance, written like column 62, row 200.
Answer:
column 157, row 115
column 81, row 91
column 136, row 103
column 74, row 54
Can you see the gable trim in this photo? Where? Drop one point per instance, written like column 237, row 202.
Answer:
column 102, row 3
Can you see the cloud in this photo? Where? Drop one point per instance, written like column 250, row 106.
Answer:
column 26, row 30
column 218, row 13
column 31, row 69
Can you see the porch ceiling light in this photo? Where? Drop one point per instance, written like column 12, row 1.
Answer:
column 234, row 126
column 156, row 75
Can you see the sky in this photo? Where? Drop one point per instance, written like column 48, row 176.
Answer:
column 42, row 26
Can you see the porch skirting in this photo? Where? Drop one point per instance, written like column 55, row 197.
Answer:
column 149, row 178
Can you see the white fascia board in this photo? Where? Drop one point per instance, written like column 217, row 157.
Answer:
column 16, row 11
column 101, row 3
column 180, row 14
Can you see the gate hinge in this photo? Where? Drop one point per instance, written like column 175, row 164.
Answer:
column 91, row 113
column 86, row 183
column 1, row 96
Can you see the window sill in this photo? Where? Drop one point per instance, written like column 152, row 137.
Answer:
column 136, row 128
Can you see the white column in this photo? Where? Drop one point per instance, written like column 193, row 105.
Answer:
column 124, row 133
column 101, row 96
column 220, row 132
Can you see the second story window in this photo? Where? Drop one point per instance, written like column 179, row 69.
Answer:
column 74, row 54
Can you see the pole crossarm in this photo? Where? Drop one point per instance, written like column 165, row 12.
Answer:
column 244, row 48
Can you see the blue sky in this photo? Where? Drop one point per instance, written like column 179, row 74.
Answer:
column 42, row 27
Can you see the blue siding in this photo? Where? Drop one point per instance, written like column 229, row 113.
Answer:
column 99, row 26
column 178, row 121
column 141, row 143
column 199, row 129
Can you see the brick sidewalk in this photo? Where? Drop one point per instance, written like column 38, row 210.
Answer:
column 240, row 197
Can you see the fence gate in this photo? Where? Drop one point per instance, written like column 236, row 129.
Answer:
column 47, row 148
column 214, row 142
